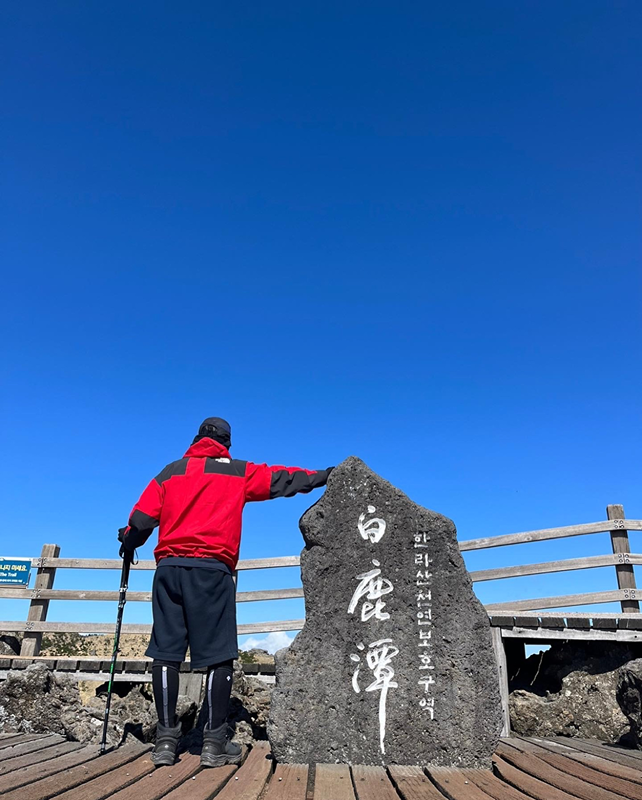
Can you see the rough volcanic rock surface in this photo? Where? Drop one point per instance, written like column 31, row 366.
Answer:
column 37, row 700
column 629, row 697
column 395, row 663
column 585, row 707
column 572, row 690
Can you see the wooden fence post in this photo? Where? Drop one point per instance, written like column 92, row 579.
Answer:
column 621, row 548
column 502, row 674
column 38, row 608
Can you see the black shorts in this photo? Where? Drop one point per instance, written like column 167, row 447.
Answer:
column 193, row 606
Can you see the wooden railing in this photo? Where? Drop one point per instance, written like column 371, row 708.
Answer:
column 621, row 558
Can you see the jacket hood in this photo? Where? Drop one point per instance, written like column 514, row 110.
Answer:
column 207, row 448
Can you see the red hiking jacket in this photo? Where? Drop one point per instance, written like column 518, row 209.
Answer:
column 198, row 502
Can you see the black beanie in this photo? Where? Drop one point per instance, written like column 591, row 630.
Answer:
column 217, row 429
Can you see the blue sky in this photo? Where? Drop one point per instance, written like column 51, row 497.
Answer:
column 409, row 232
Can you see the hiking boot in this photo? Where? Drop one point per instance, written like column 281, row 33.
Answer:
column 218, row 749
column 164, row 753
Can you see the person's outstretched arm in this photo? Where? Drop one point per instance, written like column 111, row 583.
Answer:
column 266, row 483
column 144, row 518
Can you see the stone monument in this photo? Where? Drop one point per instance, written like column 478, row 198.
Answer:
column 395, row 663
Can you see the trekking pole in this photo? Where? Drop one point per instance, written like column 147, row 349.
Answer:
column 122, row 597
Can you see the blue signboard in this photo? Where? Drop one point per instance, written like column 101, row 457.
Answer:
column 14, row 572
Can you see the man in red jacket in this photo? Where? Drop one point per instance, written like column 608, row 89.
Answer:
column 197, row 502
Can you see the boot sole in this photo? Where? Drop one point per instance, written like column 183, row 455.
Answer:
column 163, row 760
column 220, row 761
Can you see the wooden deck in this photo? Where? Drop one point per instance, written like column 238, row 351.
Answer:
column 37, row 767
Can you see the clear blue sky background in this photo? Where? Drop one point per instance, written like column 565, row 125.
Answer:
column 406, row 231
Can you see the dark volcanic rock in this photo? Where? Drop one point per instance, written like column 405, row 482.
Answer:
column 585, row 706
column 395, row 663
column 572, row 690
column 629, row 697
column 37, row 700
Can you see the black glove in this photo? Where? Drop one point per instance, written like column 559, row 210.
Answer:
column 328, row 470
column 125, row 551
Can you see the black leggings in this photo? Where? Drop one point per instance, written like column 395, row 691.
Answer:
column 217, row 692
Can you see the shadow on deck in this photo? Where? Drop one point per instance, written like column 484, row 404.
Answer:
column 38, row 767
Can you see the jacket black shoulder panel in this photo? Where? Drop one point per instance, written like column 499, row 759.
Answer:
column 224, row 466
column 175, row 468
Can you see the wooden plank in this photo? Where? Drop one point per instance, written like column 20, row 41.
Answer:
column 632, row 752
column 149, row 564
column 38, row 608
column 96, row 563
column 605, row 624
column 576, row 622
column 631, row 622
column 333, row 782
column 618, row 755
column 527, row 783
column 456, row 786
column 104, row 766
column 584, row 772
column 269, row 594
column 544, row 534
column 598, row 762
column 90, row 664
column 112, row 783
column 501, row 621
column 12, row 738
column 153, row 785
column 289, row 782
column 568, row 634
column 502, row 674
column 38, row 756
column 553, row 622
column 526, row 621
column 622, row 550
column 67, row 665
column 74, row 594
column 269, row 563
column 585, row 599
column 410, row 782
column 493, row 786
column 109, row 627
column 136, row 597
column 34, row 745
column 135, row 666
column 249, row 781
column 204, row 785
column 546, row 567
column 35, row 772
column 22, row 663
column 561, row 780
column 372, row 783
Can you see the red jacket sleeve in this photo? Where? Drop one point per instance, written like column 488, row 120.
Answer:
column 265, row 483
column 145, row 516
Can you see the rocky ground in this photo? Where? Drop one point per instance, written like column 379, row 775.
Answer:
column 36, row 700
column 583, row 689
